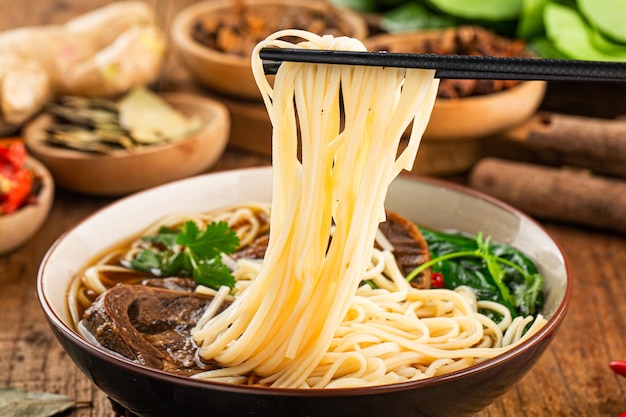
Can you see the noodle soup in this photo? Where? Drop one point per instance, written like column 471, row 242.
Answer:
column 141, row 389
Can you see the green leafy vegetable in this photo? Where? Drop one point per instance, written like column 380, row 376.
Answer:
column 413, row 16
column 608, row 16
column 496, row 272
column 571, row 35
column 530, row 22
column 480, row 9
column 190, row 252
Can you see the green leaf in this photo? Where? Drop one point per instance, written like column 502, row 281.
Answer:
column 496, row 272
column 217, row 238
column 544, row 48
column 213, row 275
column 165, row 236
column 491, row 10
column 530, row 22
column 608, row 16
column 198, row 254
column 147, row 261
column 413, row 16
column 16, row 402
column 571, row 35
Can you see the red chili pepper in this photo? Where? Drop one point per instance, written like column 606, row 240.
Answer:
column 16, row 181
column 12, row 153
column 619, row 367
column 436, row 280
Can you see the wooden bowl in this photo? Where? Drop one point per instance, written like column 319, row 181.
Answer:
column 18, row 227
column 121, row 171
column 231, row 74
column 472, row 117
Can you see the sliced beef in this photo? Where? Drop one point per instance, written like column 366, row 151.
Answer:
column 149, row 325
column 409, row 246
column 171, row 283
column 255, row 250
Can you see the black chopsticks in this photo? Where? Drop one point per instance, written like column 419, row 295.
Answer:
column 456, row 66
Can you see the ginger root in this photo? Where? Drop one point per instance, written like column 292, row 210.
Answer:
column 105, row 52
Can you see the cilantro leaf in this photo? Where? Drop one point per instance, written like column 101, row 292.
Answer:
column 215, row 239
column 213, row 274
column 188, row 251
column 147, row 261
column 165, row 236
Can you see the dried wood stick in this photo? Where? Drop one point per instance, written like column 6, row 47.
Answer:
column 554, row 194
column 601, row 139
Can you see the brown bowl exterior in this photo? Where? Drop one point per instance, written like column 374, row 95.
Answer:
column 123, row 172
column 227, row 73
column 150, row 393
column 472, row 117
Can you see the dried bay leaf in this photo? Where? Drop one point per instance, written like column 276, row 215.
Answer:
column 99, row 125
column 16, row 402
column 150, row 119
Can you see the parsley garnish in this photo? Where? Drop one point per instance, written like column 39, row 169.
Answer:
column 188, row 251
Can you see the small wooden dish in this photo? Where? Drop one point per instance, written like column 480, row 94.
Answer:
column 231, row 74
column 473, row 117
column 18, row 227
column 123, row 171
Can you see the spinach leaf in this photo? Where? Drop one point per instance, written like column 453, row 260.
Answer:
column 490, row 10
column 495, row 271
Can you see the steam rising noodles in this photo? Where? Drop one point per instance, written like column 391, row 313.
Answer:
column 304, row 320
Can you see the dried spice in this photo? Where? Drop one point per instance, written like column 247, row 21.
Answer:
column 474, row 40
column 16, row 402
column 238, row 29
column 141, row 118
column 468, row 40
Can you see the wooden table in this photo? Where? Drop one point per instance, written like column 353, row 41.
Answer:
column 571, row 379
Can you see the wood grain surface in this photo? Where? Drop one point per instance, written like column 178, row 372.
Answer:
column 571, row 379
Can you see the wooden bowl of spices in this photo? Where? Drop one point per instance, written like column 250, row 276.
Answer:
column 100, row 147
column 470, row 109
column 215, row 38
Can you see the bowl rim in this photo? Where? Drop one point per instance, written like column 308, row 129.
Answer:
column 546, row 331
column 219, row 112
column 184, row 20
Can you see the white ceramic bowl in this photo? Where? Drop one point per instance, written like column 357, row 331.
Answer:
column 121, row 171
column 18, row 227
column 435, row 204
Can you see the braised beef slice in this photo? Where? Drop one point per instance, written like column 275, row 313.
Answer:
column 149, row 325
column 255, row 250
column 410, row 248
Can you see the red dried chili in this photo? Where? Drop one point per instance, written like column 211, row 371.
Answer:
column 16, row 181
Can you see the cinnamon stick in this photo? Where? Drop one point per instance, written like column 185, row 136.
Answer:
column 553, row 193
column 601, row 139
